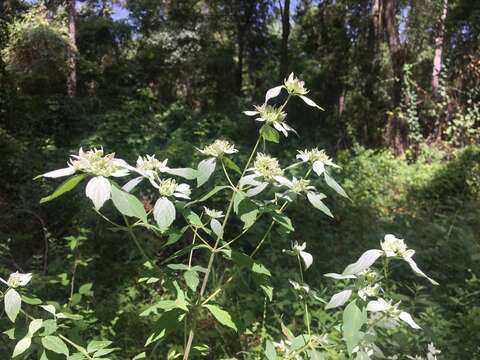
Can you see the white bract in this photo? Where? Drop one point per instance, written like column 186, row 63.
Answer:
column 150, row 167
column 17, row 279
column 265, row 170
column 294, row 87
column 368, row 291
column 164, row 210
column 299, row 250
column 391, row 311
column 318, row 158
column 214, row 214
column 272, row 116
column 301, row 288
column 218, row 149
column 392, row 247
column 95, row 163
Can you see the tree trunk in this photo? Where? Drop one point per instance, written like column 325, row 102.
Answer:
column 377, row 16
column 397, row 129
column 239, row 70
column 284, row 59
column 396, row 51
column 439, row 41
column 72, row 71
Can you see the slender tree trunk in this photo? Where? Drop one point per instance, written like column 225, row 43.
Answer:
column 377, row 16
column 284, row 59
column 396, row 51
column 239, row 70
column 439, row 41
column 72, row 71
column 397, row 129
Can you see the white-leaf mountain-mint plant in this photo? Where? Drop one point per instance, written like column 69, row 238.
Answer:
column 262, row 189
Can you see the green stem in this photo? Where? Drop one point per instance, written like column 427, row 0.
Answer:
column 79, row 348
column 305, row 304
column 226, row 175
column 191, row 334
column 139, row 247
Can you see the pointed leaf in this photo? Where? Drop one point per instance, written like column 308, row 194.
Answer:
column 55, row 344
column 64, row 187
column 268, row 133
column 22, row 346
column 316, row 201
column 222, row 316
column 128, row 204
column 334, row 185
column 13, row 303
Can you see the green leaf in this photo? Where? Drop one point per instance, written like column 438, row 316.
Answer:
column 247, row 211
column 22, row 346
column 169, row 321
column 76, row 356
column 283, row 220
column 180, row 301
column 353, row 320
column 192, row 279
column 34, row 326
column 316, row 201
column 268, row 133
column 103, row 352
column 142, row 355
column 64, row 187
column 165, row 305
column 49, row 308
column 246, row 261
column 334, row 185
column 299, row 342
column 13, row 303
column 270, row 352
column 237, row 199
column 31, row 301
column 315, row 355
column 222, row 316
column 86, row 289
column 49, row 327
column 174, row 235
column 205, row 170
column 55, row 344
column 194, row 219
column 231, row 165
column 128, row 204
column 260, row 269
column 96, row 345
column 208, row 195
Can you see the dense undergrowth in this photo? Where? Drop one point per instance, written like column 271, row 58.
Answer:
column 432, row 201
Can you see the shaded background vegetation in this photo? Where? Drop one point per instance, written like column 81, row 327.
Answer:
column 148, row 76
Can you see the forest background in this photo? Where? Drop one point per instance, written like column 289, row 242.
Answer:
column 400, row 84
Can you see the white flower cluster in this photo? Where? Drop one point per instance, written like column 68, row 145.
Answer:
column 218, row 149
column 95, row 163
column 17, row 279
column 101, row 167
